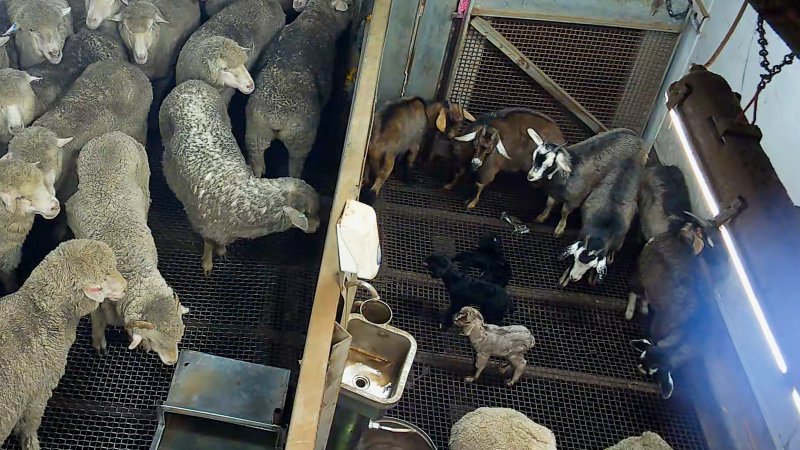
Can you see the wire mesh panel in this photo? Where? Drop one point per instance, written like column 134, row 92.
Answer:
column 614, row 72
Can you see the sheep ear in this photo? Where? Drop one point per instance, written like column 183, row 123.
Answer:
column 502, row 149
column 441, row 121
column 339, row 5
column 298, row 219
column 62, row 142
column 160, row 19
column 124, row 2
column 467, row 137
column 116, row 17
column 535, row 136
column 31, row 78
column 563, row 163
column 65, row 11
column 184, row 310
column 136, row 339
column 12, row 29
column 4, row 39
column 6, row 157
column 143, row 324
column 467, row 115
column 94, row 292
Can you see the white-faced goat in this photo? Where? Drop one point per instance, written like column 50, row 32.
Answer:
column 607, row 214
column 570, row 173
column 501, row 144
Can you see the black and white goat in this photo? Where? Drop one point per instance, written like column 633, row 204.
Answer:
column 570, row 173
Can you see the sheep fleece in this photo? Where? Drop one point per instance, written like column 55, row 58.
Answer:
column 499, row 429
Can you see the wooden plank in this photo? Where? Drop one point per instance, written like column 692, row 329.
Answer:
column 537, row 74
column 308, row 399
column 616, row 22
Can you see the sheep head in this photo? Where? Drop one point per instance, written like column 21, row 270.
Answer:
column 468, row 318
column 140, row 25
column 99, row 10
column 40, row 146
column 23, row 189
column 46, row 27
column 161, row 327
column 226, row 62
column 16, row 100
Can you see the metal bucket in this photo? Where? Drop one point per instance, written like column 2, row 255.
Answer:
column 394, row 434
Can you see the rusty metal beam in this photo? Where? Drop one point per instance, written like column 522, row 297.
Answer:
column 784, row 17
column 311, row 384
column 538, row 75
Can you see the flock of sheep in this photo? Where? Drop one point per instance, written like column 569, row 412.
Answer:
column 75, row 112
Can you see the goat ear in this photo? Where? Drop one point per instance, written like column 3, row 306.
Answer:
column 502, row 149
column 467, row 115
column 467, row 137
column 697, row 244
column 136, row 339
column 297, row 218
column 535, row 136
column 65, row 11
column 563, row 163
column 9, row 199
column 62, row 142
column 641, row 345
column 441, row 120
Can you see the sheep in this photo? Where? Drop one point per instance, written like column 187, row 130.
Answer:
column 465, row 290
column 154, row 32
column 23, row 194
column 224, row 49
column 647, row 441
column 510, row 342
column 81, row 50
column 512, row 153
column 17, row 103
column 570, row 173
column 204, row 166
column 487, row 257
column 98, row 13
column 295, row 84
column 4, row 59
column 399, row 128
column 38, row 325
column 501, row 429
column 607, row 214
column 111, row 205
column 212, row 7
column 109, row 96
column 40, row 27
column 40, row 146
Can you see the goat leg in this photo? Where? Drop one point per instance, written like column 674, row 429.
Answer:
column 459, row 173
column 519, row 363
column 474, row 202
column 548, row 208
column 632, row 297
column 562, row 224
column 408, row 175
column 480, row 364
column 383, row 174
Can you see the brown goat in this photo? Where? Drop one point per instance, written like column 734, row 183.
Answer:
column 492, row 155
column 401, row 126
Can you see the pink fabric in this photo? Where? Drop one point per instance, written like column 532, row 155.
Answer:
column 463, row 5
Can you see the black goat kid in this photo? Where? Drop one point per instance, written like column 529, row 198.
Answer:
column 464, row 290
column 488, row 258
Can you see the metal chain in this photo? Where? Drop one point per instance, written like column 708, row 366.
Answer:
column 681, row 14
column 771, row 71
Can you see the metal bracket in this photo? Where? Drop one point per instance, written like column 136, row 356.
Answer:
column 698, row 15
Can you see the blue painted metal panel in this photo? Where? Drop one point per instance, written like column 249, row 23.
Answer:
column 395, row 52
column 430, row 47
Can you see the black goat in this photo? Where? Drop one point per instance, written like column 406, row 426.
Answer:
column 464, row 290
column 487, row 257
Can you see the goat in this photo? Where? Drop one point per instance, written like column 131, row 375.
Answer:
column 663, row 200
column 570, row 173
column 492, row 155
column 607, row 214
column 510, row 342
column 487, row 257
column 400, row 127
column 491, row 299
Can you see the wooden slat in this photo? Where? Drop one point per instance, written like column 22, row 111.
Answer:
column 549, row 85
column 308, row 399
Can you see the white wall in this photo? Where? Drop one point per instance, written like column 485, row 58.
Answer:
column 779, row 104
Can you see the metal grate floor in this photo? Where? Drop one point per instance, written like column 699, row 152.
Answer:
column 581, row 381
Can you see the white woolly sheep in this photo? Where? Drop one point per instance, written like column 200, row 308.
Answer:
column 111, row 205
column 499, row 429
column 204, row 166
column 38, row 324
column 647, row 441
column 295, row 84
column 510, row 342
column 40, row 27
column 4, row 60
column 17, row 103
column 223, row 51
column 212, row 7
column 23, row 194
column 40, row 146
column 98, row 12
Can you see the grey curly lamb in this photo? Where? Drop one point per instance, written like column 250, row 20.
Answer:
column 223, row 51
column 38, row 327
column 499, row 429
column 295, row 84
column 204, row 166
column 23, row 194
column 111, row 205
column 510, row 342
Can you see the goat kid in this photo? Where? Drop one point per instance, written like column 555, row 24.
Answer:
column 399, row 129
column 511, row 153
column 488, row 257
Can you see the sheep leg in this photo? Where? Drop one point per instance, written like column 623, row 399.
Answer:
column 9, row 281
column 257, row 164
column 519, row 363
column 99, row 332
column 632, row 297
column 460, row 173
column 208, row 259
column 27, row 426
column 480, row 364
column 548, row 208
column 221, row 251
column 383, row 174
column 474, row 202
column 562, row 224
column 644, row 307
column 299, row 146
